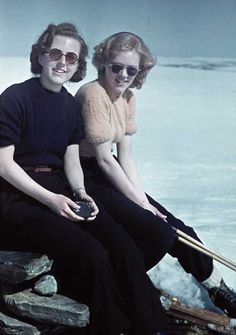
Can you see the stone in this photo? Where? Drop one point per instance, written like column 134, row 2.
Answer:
column 46, row 285
column 57, row 309
column 17, row 267
column 12, row 326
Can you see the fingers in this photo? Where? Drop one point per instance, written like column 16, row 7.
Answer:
column 95, row 209
column 72, row 216
column 71, row 203
column 67, row 205
column 75, row 216
column 91, row 218
column 162, row 216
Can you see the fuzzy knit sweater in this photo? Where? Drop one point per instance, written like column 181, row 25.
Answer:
column 104, row 120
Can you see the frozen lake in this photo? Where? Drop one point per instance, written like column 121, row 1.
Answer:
column 186, row 151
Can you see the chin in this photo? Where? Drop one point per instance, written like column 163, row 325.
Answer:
column 60, row 81
column 121, row 89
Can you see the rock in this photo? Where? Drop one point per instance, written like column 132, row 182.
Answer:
column 16, row 267
column 52, row 310
column 47, row 286
column 12, row 326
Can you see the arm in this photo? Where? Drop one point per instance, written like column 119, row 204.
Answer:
column 125, row 159
column 120, row 175
column 15, row 175
column 127, row 163
column 75, row 176
column 114, row 171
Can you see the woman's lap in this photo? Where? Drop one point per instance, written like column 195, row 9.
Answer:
column 152, row 235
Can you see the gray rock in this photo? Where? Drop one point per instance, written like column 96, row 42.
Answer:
column 12, row 326
column 16, row 267
column 47, row 286
column 52, row 310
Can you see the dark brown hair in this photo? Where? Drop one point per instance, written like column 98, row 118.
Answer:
column 45, row 41
column 124, row 41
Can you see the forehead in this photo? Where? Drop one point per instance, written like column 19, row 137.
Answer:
column 66, row 44
column 126, row 58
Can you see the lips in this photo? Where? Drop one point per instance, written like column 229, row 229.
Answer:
column 59, row 70
column 122, row 81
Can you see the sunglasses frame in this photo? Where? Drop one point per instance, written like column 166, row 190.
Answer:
column 61, row 54
column 121, row 67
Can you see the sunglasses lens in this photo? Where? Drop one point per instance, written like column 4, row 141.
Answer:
column 116, row 68
column 132, row 71
column 55, row 54
column 71, row 58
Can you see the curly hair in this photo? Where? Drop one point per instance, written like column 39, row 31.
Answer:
column 45, row 41
column 124, row 41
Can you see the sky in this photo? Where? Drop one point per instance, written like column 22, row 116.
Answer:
column 176, row 28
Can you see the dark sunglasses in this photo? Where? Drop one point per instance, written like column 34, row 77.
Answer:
column 56, row 54
column 117, row 68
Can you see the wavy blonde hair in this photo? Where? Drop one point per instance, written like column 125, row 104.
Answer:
column 124, row 41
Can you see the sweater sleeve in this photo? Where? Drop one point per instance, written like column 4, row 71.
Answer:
column 96, row 113
column 11, row 117
column 76, row 133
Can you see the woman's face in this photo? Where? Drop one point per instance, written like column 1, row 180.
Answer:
column 58, row 70
column 121, row 71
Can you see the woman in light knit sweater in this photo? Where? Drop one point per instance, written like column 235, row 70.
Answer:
column 108, row 108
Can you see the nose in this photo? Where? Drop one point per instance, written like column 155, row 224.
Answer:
column 62, row 60
column 123, row 72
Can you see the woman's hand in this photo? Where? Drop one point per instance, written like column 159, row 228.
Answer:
column 85, row 197
column 63, row 206
column 155, row 211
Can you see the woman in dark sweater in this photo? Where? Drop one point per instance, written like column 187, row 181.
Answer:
column 40, row 131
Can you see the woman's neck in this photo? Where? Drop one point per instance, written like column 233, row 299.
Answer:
column 111, row 92
column 49, row 86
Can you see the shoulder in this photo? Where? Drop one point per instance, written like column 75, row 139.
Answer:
column 16, row 93
column 15, row 89
column 91, row 90
column 65, row 94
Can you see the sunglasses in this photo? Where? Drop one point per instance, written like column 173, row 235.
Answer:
column 130, row 69
column 56, row 54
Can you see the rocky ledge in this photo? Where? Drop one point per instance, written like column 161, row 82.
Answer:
column 37, row 309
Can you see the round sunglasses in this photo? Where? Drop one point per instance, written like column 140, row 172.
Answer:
column 56, row 54
column 130, row 69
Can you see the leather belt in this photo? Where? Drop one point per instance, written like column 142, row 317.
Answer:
column 38, row 168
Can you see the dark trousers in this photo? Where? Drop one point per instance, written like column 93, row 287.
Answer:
column 102, row 265
column 154, row 237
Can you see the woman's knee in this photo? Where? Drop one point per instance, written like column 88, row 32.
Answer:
column 95, row 256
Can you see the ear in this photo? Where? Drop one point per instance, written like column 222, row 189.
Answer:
column 40, row 59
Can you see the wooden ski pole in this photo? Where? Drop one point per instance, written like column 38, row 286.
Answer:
column 190, row 241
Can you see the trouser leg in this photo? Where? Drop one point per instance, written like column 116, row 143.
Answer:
column 154, row 236
column 151, row 234
column 141, row 297
column 192, row 261
column 76, row 251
